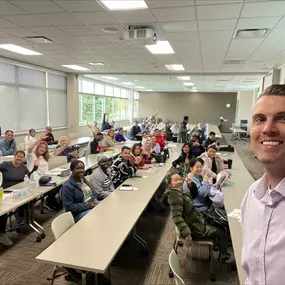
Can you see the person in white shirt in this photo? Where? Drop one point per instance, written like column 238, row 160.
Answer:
column 175, row 131
column 29, row 139
column 145, row 137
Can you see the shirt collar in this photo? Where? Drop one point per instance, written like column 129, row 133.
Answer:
column 262, row 187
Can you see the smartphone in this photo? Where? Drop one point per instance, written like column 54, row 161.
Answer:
column 126, row 185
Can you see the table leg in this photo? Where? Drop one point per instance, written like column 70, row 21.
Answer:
column 84, row 280
column 139, row 239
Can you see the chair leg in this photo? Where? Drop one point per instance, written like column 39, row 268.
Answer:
column 213, row 268
column 53, row 275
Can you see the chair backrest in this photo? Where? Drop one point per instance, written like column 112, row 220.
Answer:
column 72, row 136
column 175, row 267
column 61, row 224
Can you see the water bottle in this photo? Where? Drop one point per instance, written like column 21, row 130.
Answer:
column 34, row 181
column 26, row 179
column 1, row 156
column 1, row 179
column 162, row 157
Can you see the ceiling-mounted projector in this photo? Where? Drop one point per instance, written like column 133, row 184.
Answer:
column 140, row 36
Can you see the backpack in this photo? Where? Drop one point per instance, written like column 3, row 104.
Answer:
column 217, row 218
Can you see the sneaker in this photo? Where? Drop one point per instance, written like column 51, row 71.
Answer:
column 4, row 239
column 230, row 258
column 222, row 177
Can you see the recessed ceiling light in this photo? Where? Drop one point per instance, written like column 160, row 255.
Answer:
column 174, row 67
column 127, row 83
column 194, row 90
column 139, row 87
column 250, row 33
column 149, row 90
column 124, row 5
column 135, row 80
column 76, row 67
column 184, row 77
column 18, row 49
column 188, row 83
column 110, row 77
column 161, row 47
column 110, row 30
column 97, row 63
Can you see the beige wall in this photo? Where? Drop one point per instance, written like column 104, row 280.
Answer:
column 200, row 107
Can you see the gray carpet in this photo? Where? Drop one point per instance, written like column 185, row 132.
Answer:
column 19, row 267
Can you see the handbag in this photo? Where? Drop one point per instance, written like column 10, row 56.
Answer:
column 216, row 196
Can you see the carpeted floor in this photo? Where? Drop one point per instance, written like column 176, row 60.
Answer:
column 19, row 267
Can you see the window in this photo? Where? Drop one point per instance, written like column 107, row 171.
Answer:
column 31, row 98
column 87, row 86
column 105, row 98
column 136, row 104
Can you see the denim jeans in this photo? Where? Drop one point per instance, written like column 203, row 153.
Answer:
column 80, row 215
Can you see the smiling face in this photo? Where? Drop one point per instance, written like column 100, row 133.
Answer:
column 19, row 158
column 268, row 130
column 9, row 136
column 42, row 149
column 197, row 169
column 78, row 171
column 211, row 152
column 121, row 132
column 176, row 181
column 186, row 149
column 137, row 150
column 125, row 154
column 111, row 133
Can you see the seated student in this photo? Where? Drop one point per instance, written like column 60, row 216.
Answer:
column 210, row 140
column 160, row 139
column 109, row 139
column 105, row 124
column 95, row 146
column 63, row 141
column 38, row 153
column 122, row 168
column 143, row 126
column 8, row 144
column 175, row 131
column 213, row 164
column 13, row 172
column 202, row 131
column 112, row 124
column 49, row 139
column 119, row 136
column 100, row 180
column 30, row 138
column 202, row 201
column 196, row 147
column 147, row 151
column 169, row 134
column 137, row 151
column 76, row 194
column 190, row 223
column 182, row 162
column 135, row 130
column 94, row 127
column 145, row 137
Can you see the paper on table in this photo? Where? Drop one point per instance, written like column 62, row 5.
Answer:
column 5, row 196
column 55, row 171
column 235, row 214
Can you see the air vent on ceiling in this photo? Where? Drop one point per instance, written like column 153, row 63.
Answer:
column 39, row 40
column 234, row 61
column 250, row 33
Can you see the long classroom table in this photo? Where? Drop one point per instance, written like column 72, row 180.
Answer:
column 106, row 227
column 234, row 191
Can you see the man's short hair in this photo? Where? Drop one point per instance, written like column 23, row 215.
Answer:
column 125, row 147
column 212, row 134
column 156, row 130
column 274, row 90
column 185, row 118
column 9, row 131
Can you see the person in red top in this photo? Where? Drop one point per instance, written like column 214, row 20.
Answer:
column 160, row 139
column 137, row 151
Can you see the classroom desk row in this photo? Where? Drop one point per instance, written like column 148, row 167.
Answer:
column 106, row 227
column 215, row 129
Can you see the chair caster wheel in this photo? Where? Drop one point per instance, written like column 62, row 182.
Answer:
column 213, row 278
column 170, row 274
column 67, row 277
column 43, row 235
column 180, row 243
column 38, row 239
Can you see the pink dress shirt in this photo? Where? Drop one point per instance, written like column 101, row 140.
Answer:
column 263, row 231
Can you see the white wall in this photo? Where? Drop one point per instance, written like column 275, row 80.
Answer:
column 282, row 75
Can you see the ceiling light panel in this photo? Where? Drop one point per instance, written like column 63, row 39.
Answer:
column 184, row 77
column 110, row 77
column 76, row 67
column 18, row 49
column 128, row 83
column 175, row 67
column 161, row 47
column 118, row 5
column 188, row 83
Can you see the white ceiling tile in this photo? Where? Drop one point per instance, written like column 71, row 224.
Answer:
column 27, row 20
column 135, row 16
column 263, row 9
column 114, row 38
column 174, row 14
column 170, row 3
column 65, row 39
column 217, row 25
column 48, row 31
column 258, row 23
column 172, row 27
column 103, row 45
column 93, row 39
column 80, row 6
column 99, row 28
column 209, row 39
column 215, row 2
column 10, row 9
column 3, row 35
column 227, row 11
column 14, row 40
column 19, row 32
column 168, row 59
column 78, row 30
column 6, row 24
column 60, row 19
column 176, row 37
column 78, row 46
column 96, row 18
column 281, row 24
column 38, row 6
column 54, row 46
